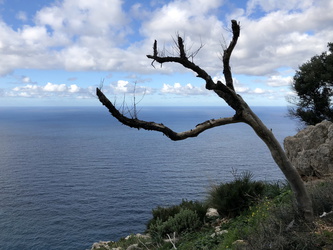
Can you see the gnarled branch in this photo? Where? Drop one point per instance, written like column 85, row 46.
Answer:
column 227, row 92
column 140, row 124
column 227, row 54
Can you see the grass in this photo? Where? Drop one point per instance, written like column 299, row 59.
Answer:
column 267, row 219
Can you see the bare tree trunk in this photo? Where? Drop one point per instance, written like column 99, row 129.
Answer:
column 243, row 113
column 303, row 199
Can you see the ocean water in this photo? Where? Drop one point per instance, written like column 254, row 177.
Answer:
column 71, row 176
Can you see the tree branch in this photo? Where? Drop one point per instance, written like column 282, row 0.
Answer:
column 223, row 91
column 227, row 54
column 136, row 123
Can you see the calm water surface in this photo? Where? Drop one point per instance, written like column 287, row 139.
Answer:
column 70, row 177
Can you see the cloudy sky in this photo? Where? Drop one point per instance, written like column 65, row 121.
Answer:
column 56, row 52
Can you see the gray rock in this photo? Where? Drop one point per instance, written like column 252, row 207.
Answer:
column 311, row 150
column 101, row 244
column 212, row 212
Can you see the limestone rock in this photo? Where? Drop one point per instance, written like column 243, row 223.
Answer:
column 311, row 150
column 212, row 212
column 101, row 244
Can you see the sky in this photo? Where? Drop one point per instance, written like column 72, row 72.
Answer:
column 56, row 52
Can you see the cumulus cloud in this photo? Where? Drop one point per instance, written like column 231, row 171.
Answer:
column 185, row 90
column 259, row 91
column 84, row 35
column 49, row 90
column 285, row 37
column 70, row 34
column 125, row 87
column 279, row 81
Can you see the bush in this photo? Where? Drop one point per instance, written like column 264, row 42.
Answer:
column 230, row 199
column 282, row 228
column 184, row 221
column 277, row 189
column 164, row 213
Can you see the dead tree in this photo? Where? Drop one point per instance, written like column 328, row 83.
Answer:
column 243, row 113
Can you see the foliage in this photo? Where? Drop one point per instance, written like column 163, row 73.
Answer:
column 200, row 240
column 230, row 199
column 313, row 83
column 185, row 220
column 164, row 213
column 283, row 227
column 276, row 190
column 271, row 222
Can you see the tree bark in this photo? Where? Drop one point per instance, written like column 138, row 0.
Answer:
column 243, row 113
column 303, row 199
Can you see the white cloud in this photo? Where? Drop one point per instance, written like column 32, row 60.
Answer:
column 50, row 87
column 283, row 38
column 26, row 79
column 36, row 35
column 123, row 87
column 278, row 81
column 48, row 90
column 71, row 35
column 242, row 89
column 73, row 88
column 84, row 17
column 259, row 91
column 187, row 89
column 182, row 16
column 96, row 35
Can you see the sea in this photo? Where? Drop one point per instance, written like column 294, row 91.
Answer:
column 72, row 176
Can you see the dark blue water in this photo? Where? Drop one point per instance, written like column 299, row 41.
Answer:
column 70, row 177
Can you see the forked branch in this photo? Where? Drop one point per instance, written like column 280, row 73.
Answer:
column 219, row 88
column 225, row 91
column 140, row 124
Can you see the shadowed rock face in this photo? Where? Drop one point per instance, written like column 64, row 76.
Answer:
column 311, row 150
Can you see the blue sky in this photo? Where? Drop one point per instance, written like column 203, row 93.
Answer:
column 56, row 52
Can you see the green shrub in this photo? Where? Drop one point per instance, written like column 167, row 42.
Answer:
column 200, row 240
column 277, row 224
column 157, row 230
column 185, row 220
column 230, row 199
column 164, row 213
column 272, row 190
column 282, row 229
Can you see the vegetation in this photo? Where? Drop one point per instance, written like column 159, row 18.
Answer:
column 268, row 219
column 313, row 83
column 238, row 195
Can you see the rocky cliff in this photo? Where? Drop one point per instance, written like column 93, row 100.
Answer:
column 311, row 150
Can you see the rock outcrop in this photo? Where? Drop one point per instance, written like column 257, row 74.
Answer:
column 311, row 150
